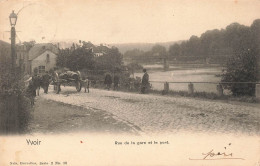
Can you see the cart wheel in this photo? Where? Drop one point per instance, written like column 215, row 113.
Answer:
column 78, row 86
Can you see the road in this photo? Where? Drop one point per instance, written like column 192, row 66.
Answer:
column 155, row 114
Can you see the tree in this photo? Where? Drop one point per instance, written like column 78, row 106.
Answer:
column 238, row 37
column 80, row 58
column 111, row 60
column 132, row 67
column 62, row 58
column 241, row 68
column 133, row 53
column 255, row 29
column 75, row 58
column 29, row 44
column 193, row 46
column 174, row 50
column 160, row 50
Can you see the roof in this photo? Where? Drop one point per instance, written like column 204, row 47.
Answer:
column 5, row 51
column 100, row 49
column 39, row 49
column 3, row 43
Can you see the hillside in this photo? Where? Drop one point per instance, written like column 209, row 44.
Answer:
column 123, row 47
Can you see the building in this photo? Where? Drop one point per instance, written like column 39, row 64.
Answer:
column 98, row 54
column 37, row 58
column 41, row 58
column 22, row 57
column 100, row 50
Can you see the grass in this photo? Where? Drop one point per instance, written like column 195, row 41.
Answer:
column 211, row 96
column 202, row 95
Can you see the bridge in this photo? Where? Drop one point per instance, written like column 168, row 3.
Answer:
column 165, row 60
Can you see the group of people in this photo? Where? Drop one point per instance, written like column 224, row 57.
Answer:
column 108, row 81
column 35, row 82
column 144, row 84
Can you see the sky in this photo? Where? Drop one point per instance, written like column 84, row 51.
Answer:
column 122, row 21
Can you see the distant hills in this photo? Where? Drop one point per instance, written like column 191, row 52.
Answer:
column 123, row 47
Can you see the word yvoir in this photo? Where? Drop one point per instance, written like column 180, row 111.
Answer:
column 31, row 142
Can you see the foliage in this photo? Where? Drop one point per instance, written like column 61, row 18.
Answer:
column 159, row 50
column 133, row 53
column 110, row 61
column 132, row 67
column 215, row 44
column 75, row 58
column 175, row 50
column 29, row 44
column 14, row 105
column 81, row 57
column 156, row 53
column 242, row 66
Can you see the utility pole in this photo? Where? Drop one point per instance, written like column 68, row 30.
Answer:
column 13, row 49
column 13, row 19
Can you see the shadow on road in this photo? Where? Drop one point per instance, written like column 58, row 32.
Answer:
column 52, row 117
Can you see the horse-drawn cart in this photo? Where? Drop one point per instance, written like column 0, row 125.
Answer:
column 67, row 78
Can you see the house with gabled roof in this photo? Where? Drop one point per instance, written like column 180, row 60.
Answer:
column 41, row 58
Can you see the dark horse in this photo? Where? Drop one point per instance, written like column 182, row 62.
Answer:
column 41, row 81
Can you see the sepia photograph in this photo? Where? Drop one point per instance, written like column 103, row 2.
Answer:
column 130, row 82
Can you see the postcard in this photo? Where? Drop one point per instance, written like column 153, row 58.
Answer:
column 129, row 82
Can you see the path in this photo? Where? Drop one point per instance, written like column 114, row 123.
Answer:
column 155, row 114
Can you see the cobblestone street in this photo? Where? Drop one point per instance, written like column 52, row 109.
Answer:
column 155, row 114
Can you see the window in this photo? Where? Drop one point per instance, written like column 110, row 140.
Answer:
column 47, row 58
column 41, row 69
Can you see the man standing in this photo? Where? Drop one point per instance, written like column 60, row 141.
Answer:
column 116, row 82
column 31, row 92
column 108, row 81
column 36, row 83
column 145, row 82
column 46, row 81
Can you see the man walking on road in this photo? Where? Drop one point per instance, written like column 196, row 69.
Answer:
column 46, row 81
column 108, row 81
column 36, row 82
column 145, row 82
column 31, row 92
column 116, row 82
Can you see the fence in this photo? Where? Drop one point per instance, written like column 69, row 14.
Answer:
column 215, row 87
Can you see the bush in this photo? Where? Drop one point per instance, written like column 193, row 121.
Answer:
column 14, row 105
column 241, row 68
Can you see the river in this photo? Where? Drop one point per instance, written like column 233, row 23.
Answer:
column 184, row 73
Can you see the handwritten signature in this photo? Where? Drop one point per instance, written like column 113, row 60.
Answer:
column 211, row 155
